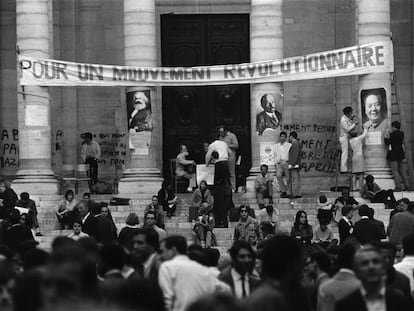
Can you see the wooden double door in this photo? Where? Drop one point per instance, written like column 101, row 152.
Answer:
column 192, row 115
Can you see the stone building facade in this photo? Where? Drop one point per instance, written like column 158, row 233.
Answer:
column 187, row 33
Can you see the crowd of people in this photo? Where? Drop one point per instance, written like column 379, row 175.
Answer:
column 143, row 268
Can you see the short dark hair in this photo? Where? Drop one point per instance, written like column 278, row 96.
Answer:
column 363, row 210
column 294, row 134
column 323, row 199
column 14, row 216
column 113, row 255
column 150, row 212
column 347, row 110
column 244, row 206
column 322, row 259
column 151, row 236
column 389, row 246
column 87, row 194
column 237, row 246
column 264, row 165
column 396, row 124
column 346, row 255
column 408, row 244
column 278, row 255
column 283, row 133
column 177, row 241
column 215, row 155
column 213, row 256
column 369, row 178
column 24, row 196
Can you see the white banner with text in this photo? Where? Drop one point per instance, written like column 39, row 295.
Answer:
column 355, row 60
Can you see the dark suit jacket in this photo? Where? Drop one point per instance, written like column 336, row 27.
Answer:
column 17, row 234
column 295, row 153
column 343, row 228
column 396, row 141
column 90, row 226
column 367, row 230
column 263, row 121
column 226, row 277
column 394, row 301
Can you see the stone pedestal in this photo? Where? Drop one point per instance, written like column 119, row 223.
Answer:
column 143, row 173
column 374, row 25
column 35, row 173
column 266, row 43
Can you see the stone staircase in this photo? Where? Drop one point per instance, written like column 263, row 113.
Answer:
column 180, row 225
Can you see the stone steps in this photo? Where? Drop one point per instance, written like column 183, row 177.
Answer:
column 180, row 225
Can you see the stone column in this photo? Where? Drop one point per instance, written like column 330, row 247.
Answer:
column 266, row 43
column 143, row 173
column 374, row 25
column 35, row 173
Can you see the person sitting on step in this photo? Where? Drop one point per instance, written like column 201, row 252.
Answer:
column 203, row 228
column 185, row 168
column 202, row 197
column 264, row 185
column 371, row 191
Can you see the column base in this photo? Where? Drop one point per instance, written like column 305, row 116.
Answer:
column 140, row 180
column 35, row 182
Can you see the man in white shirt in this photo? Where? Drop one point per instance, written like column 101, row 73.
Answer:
column 406, row 266
column 90, row 154
column 281, row 158
column 181, row 279
column 346, row 125
column 231, row 140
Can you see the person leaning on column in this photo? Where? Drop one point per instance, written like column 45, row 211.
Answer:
column 347, row 124
column 90, row 154
column 394, row 138
column 295, row 153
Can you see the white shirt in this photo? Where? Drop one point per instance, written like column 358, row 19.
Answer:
column 237, row 281
column 183, row 281
column 221, row 147
column 406, row 266
column 91, row 151
column 346, row 126
column 282, row 152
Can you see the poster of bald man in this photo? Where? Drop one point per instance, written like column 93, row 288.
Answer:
column 139, row 121
column 269, row 117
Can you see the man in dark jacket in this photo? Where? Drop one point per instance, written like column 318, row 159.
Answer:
column 89, row 223
column 345, row 226
column 239, row 276
column 370, row 269
column 366, row 230
column 17, row 233
column 395, row 156
column 8, row 200
column 295, row 153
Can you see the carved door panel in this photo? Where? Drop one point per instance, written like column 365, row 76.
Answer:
column 191, row 115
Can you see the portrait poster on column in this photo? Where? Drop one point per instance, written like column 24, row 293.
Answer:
column 269, row 113
column 139, row 121
column 374, row 114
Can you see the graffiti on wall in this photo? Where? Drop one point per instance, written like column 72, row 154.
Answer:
column 9, row 148
column 319, row 146
column 113, row 148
